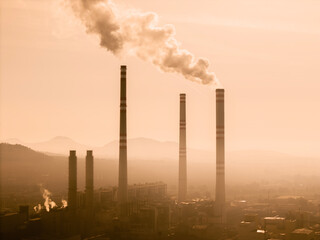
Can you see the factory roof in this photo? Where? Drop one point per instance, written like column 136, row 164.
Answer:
column 274, row 218
column 289, row 197
column 302, row 231
column 200, row 227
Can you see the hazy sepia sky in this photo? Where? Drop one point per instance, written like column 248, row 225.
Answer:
column 57, row 80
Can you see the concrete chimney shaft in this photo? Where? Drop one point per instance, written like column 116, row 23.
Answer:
column 182, row 191
column 89, row 180
column 72, row 192
column 220, row 157
column 123, row 178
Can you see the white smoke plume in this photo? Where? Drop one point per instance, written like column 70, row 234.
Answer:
column 48, row 202
column 64, row 203
column 37, row 208
column 133, row 32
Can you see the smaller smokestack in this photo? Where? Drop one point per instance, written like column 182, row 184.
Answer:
column 72, row 193
column 182, row 194
column 89, row 180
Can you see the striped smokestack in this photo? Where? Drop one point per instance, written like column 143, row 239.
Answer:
column 182, row 194
column 72, row 192
column 220, row 167
column 123, row 179
column 89, row 180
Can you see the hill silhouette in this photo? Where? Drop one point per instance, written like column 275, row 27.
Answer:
column 149, row 161
column 23, row 168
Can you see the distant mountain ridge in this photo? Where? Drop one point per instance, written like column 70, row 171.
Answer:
column 150, row 149
column 58, row 145
column 13, row 152
column 22, row 165
column 138, row 148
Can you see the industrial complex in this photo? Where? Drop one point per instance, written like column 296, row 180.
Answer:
column 145, row 211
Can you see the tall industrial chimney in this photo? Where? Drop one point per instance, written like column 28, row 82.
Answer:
column 182, row 192
column 72, row 193
column 123, row 178
column 220, row 167
column 89, row 180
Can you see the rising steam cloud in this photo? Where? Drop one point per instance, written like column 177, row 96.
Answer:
column 133, row 32
column 48, row 202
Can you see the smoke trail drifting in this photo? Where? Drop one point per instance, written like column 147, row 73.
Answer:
column 133, row 32
column 37, row 208
column 48, row 202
